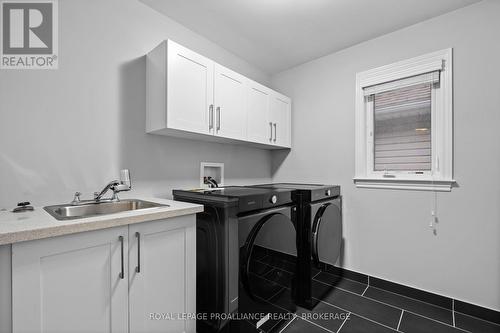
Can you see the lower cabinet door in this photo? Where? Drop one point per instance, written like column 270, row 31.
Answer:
column 73, row 283
column 162, row 273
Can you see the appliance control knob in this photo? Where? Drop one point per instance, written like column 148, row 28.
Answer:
column 327, row 193
column 274, row 199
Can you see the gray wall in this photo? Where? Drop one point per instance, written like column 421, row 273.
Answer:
column 73, row 128
column 387, row 232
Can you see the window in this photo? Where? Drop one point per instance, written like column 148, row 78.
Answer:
column 404, row 124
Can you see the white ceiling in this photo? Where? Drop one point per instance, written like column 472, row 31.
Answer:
column 279, row 34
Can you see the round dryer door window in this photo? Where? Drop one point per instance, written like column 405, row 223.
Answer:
column 267, row 255
column 327, row 233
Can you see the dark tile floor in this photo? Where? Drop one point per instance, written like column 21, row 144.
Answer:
column 352, row 306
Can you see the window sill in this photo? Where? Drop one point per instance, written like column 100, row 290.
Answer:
column 405, row 184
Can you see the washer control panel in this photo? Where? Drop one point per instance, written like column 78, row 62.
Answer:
column 277, row 198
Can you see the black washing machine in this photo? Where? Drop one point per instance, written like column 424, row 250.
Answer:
column 238, row 288
column 319, row 235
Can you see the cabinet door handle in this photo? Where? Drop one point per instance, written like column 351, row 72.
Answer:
column 138, row 268
column 211, row 116
column 271, row 127
column 274, row 132
column 218, row 118
column 122, row 273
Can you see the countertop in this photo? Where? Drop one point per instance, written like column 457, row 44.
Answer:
column 38, row 224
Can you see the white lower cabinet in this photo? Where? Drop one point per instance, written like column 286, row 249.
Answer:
column 82, row 282
column 162, row 276
column 71, row 283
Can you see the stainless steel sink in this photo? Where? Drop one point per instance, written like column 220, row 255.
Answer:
column 71, row 212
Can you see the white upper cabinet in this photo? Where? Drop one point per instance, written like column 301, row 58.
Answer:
column 180, row 81
column 189, row 89
column 230, row 104
column 259, row 127
column 189, row 95
column 280, row 118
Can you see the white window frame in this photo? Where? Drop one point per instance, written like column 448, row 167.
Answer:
column 440, row 178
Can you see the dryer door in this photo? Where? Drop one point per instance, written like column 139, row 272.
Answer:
column 267, row 265
column 326, row 231
column 267, row 250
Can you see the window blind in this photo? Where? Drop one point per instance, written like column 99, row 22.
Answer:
column 431, row 78
column 402, row 126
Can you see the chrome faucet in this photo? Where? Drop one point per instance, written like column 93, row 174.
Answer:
column 76, row 199
column 210, row 182
column 124, row 184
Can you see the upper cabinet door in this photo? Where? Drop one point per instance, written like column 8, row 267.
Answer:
column 230, row 104
column 259, row 127
column 280, row 115
column 162, row 275
column 189, row 90
column 72, row 283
